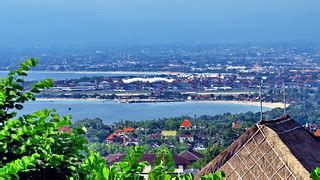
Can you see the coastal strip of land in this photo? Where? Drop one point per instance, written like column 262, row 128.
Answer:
column 249, row 103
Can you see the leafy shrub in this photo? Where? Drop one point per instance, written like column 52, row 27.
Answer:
column 130, row 167
column 32, row 146
column 216, row 176
column 92, row 168
column 315, row 174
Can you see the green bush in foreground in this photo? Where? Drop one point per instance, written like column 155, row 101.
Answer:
column 315, row 174
column 32, row 146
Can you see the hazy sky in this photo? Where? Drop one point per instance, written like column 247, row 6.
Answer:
column 84, row 22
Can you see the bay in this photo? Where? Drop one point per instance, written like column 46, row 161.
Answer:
column 110, row 111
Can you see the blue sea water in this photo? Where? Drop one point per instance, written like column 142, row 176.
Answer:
column 111, row 111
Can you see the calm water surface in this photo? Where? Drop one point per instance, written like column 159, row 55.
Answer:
column 111, row 111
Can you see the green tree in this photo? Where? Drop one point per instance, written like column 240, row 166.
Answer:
column 92, row 168
column 97, row 131
column 219, row 175
column 315, row 174
column 13, row 94
column 33, row 146
column 130, row 167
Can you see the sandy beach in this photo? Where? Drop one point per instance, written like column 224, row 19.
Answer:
column 250, row 103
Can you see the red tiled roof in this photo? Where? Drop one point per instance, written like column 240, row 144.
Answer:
column 129, row 129
column 236, row 125
column 317, row 133
column 110, row 137
column 65, row 129
column 119, row 130
column 126, row 130
column 186, row 123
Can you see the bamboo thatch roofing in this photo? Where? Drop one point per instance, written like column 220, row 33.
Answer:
column 279, row 148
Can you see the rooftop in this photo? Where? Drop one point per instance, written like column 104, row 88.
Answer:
column 191, row 155
column 169, row 133
column 186, row 123
column 317, row 133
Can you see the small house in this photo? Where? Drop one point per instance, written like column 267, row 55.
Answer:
column 186, row 125
column 168, row 134
column 317, row 134
column 191, row 155
column 128, row 130
column 116, row 139
column 120, row 132
column 236, row 125
column 185, row 138
column 65, row 129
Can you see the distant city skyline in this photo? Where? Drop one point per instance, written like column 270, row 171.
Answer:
column 120, row 22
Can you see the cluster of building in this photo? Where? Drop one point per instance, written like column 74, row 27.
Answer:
column 183, row 71
column 122, row 136
column 181, row 160
column 171, row 58
column 272, row 149
column 204, row 82
column 240, row 84
column 184, row 136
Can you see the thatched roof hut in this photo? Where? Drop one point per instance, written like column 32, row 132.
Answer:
column 275, row 149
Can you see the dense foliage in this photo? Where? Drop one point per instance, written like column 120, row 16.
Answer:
column 96, row 130
column 315, row 174
column 32, row 146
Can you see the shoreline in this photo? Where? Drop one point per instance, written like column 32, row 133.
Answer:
column 252, row 103
column 249, row 103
